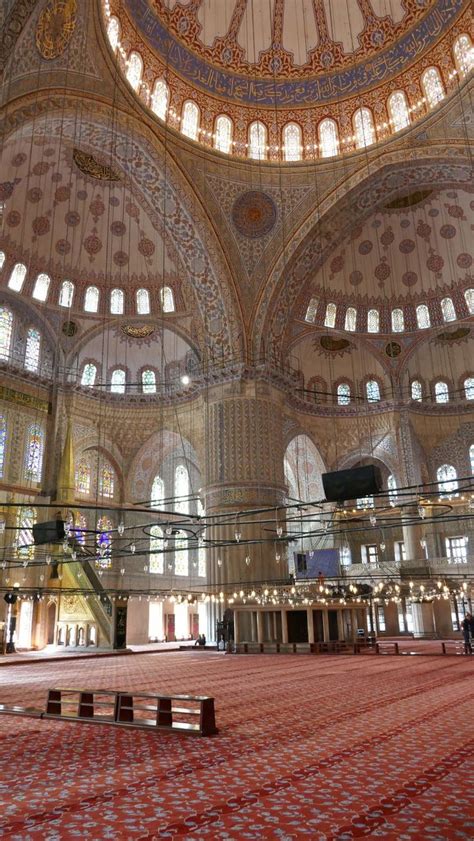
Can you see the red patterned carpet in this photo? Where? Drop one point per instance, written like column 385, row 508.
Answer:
column 330, row 748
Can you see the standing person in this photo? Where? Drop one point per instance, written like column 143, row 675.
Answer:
column 467, row 625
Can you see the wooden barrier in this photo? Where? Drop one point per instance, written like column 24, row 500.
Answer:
column 452, row 647
column 387, row 648
column 181, row 713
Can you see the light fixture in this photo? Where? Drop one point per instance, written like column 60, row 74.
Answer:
column 185, row 379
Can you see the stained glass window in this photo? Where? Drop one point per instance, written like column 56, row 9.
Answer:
column 83, row 477
column 34, row 452
column 398, row 321
column 134, row 70
column 351, row 319
column 25, row 521
column 155, row 562
column 181, row 489
column 157, row 493
column 392, row 489
column 91, row 302
column 416, row 390
column 167, row 299
column 373, row 321
column 116, row 301
column 89, row 374
column 181, row 561
column 79, row 530
column 257, row 141
column 372, row 390
column 441, row 392
column 364, row 127
column 312, row 310
column 113, row 32
column 448, row 479
column 104, row 543
column 17, row 277
column 423, row 316
column 447, row 308
column 330, row 317
column 66, row 294
column 343, row 394
column 41, row 287
column 190, row 120
column 469, row 297
column 6, row 328
column 148, row 381
column 106, row 481
column 32, row 350
column 160, row 99
column 292, row 145
column 2, row 259
column 463, row 54
column 117, row 381
column 398, row 110
column 3, row 442
column 223, row 137
column 143, row 301
column 328, row 138
column 469, row 388
column 432, row 86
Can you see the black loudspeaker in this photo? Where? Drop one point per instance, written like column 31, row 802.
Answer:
column 50, row 532
column 352, row 484
column 10, row 598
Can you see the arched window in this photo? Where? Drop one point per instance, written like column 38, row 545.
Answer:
column 398, row 321
column 471, row 458
column 416, row 391
column 447, row 479
column 167, row 299
column 398, row 110
column 116, row 301
column 181, row 489
column 328, row 138
column 32, row 350
column 91, row 301
column 26, row 519
column 447, row 308
column 157, row 500
column 364, row 127
column 292, row 142
column 40, row 290
column 155, row 561
column 6, row 329
column 441, row 392
column 106, row 481
column 181, row 559
column 113, row 32
column 469, row 298
column 423, row 316
column 66, row 294
column 2, row 259
column 330, row 317
column 148, row 381
column 143, row 301
column 190, row 120
column 202, row 556
column 365, row 502
column 34, row 452
column 463, row 54
column 351, row 319
column 89, row 373
column 373, row 321
column 117, row 381
column 469, row 388
column 104, row 543
column 223, row 135
column 392, row 489
column 3, row 443
column 312, row 310
column 160, row 99
column 432, row 86
column 134, row 70
column 17, row 277
column 257, row 141
column 372, row 389
column 343, row 394
column 83, row 477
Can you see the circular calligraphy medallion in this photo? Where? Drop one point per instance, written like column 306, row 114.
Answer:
column 55, row 27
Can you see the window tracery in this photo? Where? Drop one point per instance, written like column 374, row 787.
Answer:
column 416, row 391
column 312, row 310
column 66, row 294
column 117, row 381
column 392, row 489
column 89, row 374
column 167, row 299
column 441, row 392
column 463, row 54
column 148, row 381
column 223, row 135
column 41, row 287
column 330, row 317
column 6, row 331
column 143, row 301
column 372, row 390
column 469, row 298
column 134, row 70
column 328, row 138
column 104, row 543
column 160, row 99
column 373, row 321
column 106, row 481
column 292, row 145
column 398, row 110
column 448, row 480
column 469, row 388
column 343, row 394
column 398, row 320
column 2, row 259
column 116, row 301
column 190, row 120
column 34, row 453
column 181, row 489
column 157, row 493
column 32, row 350
column 26, row 519
column 155, row 562
column 447, row 308
column 91, row 301
column 181, row 560
column 423, row 316
column 83, row 477
column 113, row 32
column 364, row 128
column 17, row 277
column 432, row 86
column 257, row 141
column 350, row 322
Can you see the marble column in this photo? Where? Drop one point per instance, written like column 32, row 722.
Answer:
column 236, row 626
column 260, row 631
column 284, row 627
column 309, row 612
column 423, row 619
column 325, row 625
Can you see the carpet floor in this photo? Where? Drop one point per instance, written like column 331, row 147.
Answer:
column 332, row 748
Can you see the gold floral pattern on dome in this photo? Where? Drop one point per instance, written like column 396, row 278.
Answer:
column 137, row 331
column 89, row 165
column 55, row 27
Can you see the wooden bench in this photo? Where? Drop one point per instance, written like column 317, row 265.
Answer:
column 193, row 714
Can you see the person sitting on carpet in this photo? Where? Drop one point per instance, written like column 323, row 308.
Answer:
column 467, row 627
column 201, row 640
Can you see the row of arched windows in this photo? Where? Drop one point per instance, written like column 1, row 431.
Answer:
column 352, row 319
column 158, row 543
column 447, row 476
column 92, row 294
column 292, row 137
column 34, row 450
column 441, row 390
column 31, row 359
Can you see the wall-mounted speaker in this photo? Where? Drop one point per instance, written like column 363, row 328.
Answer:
column 352, row 484
column 50, row 532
